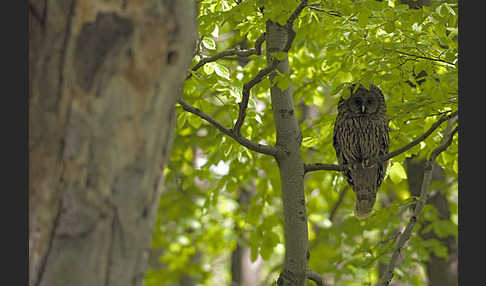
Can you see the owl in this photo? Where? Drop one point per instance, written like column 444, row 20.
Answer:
column 361, row 134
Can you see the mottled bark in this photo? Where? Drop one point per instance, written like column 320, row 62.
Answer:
column 103, row 80
column 440, row 271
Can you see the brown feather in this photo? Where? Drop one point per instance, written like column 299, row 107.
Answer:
column 358, row 137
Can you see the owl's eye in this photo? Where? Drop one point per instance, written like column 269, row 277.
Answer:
column 357, row 100
column 369, row 101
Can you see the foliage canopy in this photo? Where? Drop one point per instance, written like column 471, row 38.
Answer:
column 411, row 54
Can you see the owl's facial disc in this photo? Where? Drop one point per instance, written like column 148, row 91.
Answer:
column 363, row 104
column 359, row 105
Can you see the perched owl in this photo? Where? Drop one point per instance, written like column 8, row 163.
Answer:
column 360, row 134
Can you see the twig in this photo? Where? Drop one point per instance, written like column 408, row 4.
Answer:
column 257, row 50
column 316, row 277
column 405, row 236
column 336, row 206
column 331, row 13
column 332, row 167
column 428, row 115
column 263, row 149
column 421, row 57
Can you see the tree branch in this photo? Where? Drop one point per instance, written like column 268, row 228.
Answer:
column 296, row 13
column 331, row 13
column 267, row 70
column 235, row 132
column 421, row 138
column 421, row 57
column 316, row 277
column 246, row 94
column 321, row 166
column 263, row 149
column 257, row 50
column 332, row 167
column 405, row 236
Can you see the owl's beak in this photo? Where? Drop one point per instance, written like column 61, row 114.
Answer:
column 363, row 109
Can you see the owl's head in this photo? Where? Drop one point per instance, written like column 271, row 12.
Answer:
column 362, row 101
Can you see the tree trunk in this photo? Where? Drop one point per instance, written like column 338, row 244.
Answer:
column 440, row 271
column 103, row 80
column 291, row 167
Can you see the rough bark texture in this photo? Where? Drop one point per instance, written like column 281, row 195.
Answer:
column 440, row 271
column 103, row 80
column 291, row 168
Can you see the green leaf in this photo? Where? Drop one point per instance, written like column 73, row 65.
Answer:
column 309, row 141
column 195, row 121
column 364, row 16
column 436, row 247
column 209, row 43
column 397, row 172
column 389, row 27
column 221, row 71
column 450, row 9
column 208, row 68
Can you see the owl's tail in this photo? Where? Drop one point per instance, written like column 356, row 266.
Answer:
column 365, row 200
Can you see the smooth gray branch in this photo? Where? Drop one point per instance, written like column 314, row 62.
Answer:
column 316, row 277
column 405, row 236
column 332, row 167
column 263, row 149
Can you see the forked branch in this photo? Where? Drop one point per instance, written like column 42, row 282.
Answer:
column 421, row 138
column 235, row 132
column 260, row 148
column 405, row 236
column 269, row 68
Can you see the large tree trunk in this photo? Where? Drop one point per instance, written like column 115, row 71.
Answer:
column 103, row 80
